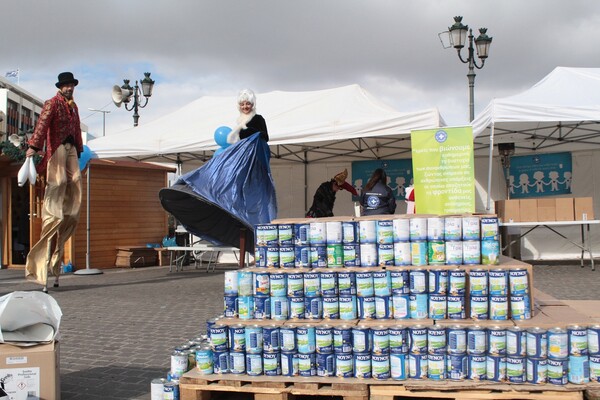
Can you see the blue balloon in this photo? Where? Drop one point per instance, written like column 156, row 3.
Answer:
column 219, row 151
column 84, row 157
column 221, row 135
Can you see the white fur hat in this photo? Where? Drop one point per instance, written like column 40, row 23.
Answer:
column 247, row 95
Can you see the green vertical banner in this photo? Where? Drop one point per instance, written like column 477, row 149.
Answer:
column 443, row 170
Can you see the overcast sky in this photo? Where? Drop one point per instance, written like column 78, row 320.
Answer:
column 217, row 47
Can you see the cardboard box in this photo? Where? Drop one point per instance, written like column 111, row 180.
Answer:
column 546, row 209
column 528, row 210
column 565, row 209
column 584, row 208
column 508, row 210
column 34, row 371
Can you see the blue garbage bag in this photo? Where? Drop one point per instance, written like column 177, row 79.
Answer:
column 232, row 191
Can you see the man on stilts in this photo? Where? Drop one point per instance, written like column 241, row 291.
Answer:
column 58, row 130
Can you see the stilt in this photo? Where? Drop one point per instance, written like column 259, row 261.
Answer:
column 242, row 247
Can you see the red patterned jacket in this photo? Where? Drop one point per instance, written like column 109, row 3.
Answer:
column 57, row 122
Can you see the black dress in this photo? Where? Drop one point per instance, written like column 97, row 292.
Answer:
column 256, row 124
column 323, row 201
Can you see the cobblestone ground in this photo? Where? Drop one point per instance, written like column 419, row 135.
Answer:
column 118, row 328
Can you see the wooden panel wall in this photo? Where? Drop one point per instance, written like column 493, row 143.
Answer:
column 125, row 211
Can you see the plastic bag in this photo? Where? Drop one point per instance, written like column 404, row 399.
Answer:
column 27, row 172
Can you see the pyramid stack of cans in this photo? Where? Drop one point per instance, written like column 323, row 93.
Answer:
column 516, row 355
column 312, row 243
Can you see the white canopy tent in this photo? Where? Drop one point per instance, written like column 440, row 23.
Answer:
column 303, row 127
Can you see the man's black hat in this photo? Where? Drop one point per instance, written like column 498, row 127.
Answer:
column 64, row 78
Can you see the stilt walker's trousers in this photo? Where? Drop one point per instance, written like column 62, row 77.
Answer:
column 60, row 214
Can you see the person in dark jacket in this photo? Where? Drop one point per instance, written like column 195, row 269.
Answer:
column 324, row 197
column 249, row 122
column 377, row 197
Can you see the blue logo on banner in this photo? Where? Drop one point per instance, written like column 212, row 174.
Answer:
column 441, row 136
column 540, row 175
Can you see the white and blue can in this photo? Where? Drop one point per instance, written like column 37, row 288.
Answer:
column 334, row 232
column 436, row 340
column 368, row 255
column 287, row 339
column 272, row 364
column 231, row 283
column 401, row 306
column 324, row 339
column 435, row 228
column 516, row 341
column 218, row 337
column 418, row 281
column 272, row 257
column 519, row 281
column 383, row 307
column 331, row 308
column 457, row 339
column 348, row 308
column 305, row 339
column 266, row 235
column 280, row 308
column 479, row 307
column 476, row 340
column 312, row 284
column 438, row 306
column 399, row 282
column 329, row 284
column 237, row 338
column 452, row 228
column 317, row 233
column 402, row 253
column 498, row 282
column 364, row 284
column 418, row 305
column 380, row 366
column 297, row 307
column 471, row 228
column 366, row 307
column 499, row 308
column 344, row 365
column 558, row 343
column 179, row 363
column 578, row 341
column 401, row 227
column 489, row 228
column 287, row 257
column 382, row 283
column 385, row 254
column 209, row 324
column 302, row 257
column 221, row 362
column 418, row 253
column 477, row 367
column 471, row 250
column 380, row 339
column 278, row 284
column 346, row 283
column 457, row 366
column 350, row 234
column 557, row 371
column 496, row 339
column 289, row 363
column 361, row 339
column 171, row 390
column 454, row 252
column 417, row 336
column 295, row 284
column 318, row 256
column 271, row 339
column 261, row 284
column 579, row 370
column 456, row 307
column 260, row 257
column 351, row 255
column 593, row 335
column 496, row 368
column 367, row 231
column 438, row 281
column 457, row 282
column 520, row 307
column 594, row 363
column 537, row 370
column 385, row 232
column 204, row 360
column 399, row 366
column 245, row 283
column 417, row 366
column 490, row 252
column 362, row 365
column 478, row 282
column 325, row 364
column 398, row 339
column 254, row 339
column 301, row 234
column 418, row 229
column 516, row 369
column 342, row 339
column 307, row 364
column 313, row 307
column 230, row 306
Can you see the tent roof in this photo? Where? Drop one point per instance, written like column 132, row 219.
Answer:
column 563, row 109
column 325, row 123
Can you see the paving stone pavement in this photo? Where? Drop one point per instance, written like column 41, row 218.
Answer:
column 118, row 328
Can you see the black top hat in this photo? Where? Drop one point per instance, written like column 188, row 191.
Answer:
column 64, row 78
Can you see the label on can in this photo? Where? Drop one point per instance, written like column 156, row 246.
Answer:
column 402, row 254
column 385, row 232
column 286, row 235
column 401, row 227
column 362, row 365
column 436, row 252
column 490, row 252
column 418, row 253
column 471, row 252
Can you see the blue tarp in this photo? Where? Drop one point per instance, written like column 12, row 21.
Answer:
column 233, row 190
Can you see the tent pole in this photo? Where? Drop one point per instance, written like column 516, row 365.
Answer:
column 305, row 181
column 489, row 187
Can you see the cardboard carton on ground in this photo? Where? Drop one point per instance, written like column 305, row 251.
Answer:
column 584, row 208
column 30, row 372
column 565, row 209
column 528, row 210
column 508, row 210
column 546, row 209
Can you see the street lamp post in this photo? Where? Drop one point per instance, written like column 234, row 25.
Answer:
column 458, row 36
column 104, row 112
column 124, row 93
